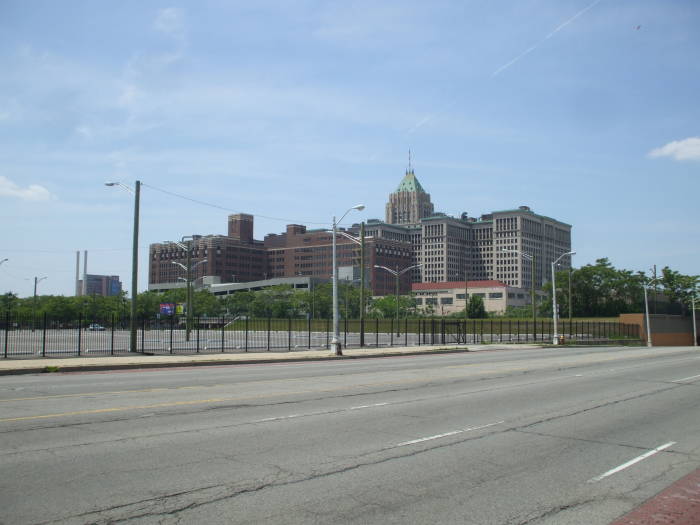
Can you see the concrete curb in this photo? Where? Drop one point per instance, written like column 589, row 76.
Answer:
column 282, row 358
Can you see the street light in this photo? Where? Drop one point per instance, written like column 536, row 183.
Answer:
column 134, row 259
column 335, row 342
column 529, row 257
column 646, row 308
column 361, row 241
column 4, row 260
column 189, row 267
column 396, row 273
column 555, row 338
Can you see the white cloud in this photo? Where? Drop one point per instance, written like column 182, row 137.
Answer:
column 686, row 149
column 33, row 192
column 171, row 21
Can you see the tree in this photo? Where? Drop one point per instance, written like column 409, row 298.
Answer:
column 385, row 307
column 238, row 303
column 679, row 288
column 476, row 307
column 8, row 301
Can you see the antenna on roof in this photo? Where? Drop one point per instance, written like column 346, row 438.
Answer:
column 410, row 168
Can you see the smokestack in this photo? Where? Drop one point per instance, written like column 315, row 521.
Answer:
column 77, row 273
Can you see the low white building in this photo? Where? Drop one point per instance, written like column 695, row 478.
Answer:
column 448, row 297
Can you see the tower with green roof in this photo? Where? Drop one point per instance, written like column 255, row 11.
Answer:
column 410, row 202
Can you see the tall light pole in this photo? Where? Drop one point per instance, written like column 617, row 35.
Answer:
column 646, row 310
column 555, row 337
column 335, row 342
column 134, row 259
column 529, row 257
column 361, row 242
column 396, row 273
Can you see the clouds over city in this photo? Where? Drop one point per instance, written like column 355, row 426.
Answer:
column 33, row 192
column 686, row 149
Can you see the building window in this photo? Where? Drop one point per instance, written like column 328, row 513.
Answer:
column 496, row 295
column 446, row 300
column 430, row 300
column 460, row 296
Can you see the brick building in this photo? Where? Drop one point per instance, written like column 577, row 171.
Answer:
column 447, row 249
column 235, row 257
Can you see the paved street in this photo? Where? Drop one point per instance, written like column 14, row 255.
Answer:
column 536, row 436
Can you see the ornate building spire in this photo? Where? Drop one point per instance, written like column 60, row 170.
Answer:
column 410, row 202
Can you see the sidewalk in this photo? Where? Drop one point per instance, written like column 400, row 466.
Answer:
column 83, row 364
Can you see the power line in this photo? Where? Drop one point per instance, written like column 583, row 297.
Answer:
column 204, row 203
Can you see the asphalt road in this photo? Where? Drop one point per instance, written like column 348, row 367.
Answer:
column 547, row 436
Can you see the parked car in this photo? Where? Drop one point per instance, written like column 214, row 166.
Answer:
column 94, row 327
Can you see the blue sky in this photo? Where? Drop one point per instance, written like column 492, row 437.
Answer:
column 587, row 111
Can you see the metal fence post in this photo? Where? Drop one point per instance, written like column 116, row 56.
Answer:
column 376, row 332
column 345, row 337
column 7, row 330
column 269, row 322
column 223, row 333
column 308, row 323
column 391, row 337
column 80, row 329
column 111, row 345
column 289, row 334
column 328, row 332
column 246, row 333
column 362, row 332
column 198, row 325
column 143, row 335
column 43, row 338
column 171, row 334
column 405, row 332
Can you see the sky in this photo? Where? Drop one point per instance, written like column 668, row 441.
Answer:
column 294, row 111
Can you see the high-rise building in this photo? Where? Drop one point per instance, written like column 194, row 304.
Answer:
column 510, row 246
column 409, row 203
column 235, row 257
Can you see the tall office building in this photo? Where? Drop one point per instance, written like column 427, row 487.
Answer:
column 410, row 202
column 510, row 246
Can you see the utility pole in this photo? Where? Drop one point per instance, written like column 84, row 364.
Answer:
column 188, row 328
column 37, row 280
column 134, row 268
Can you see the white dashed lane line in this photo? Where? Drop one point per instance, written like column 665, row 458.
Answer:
column 631, row 462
